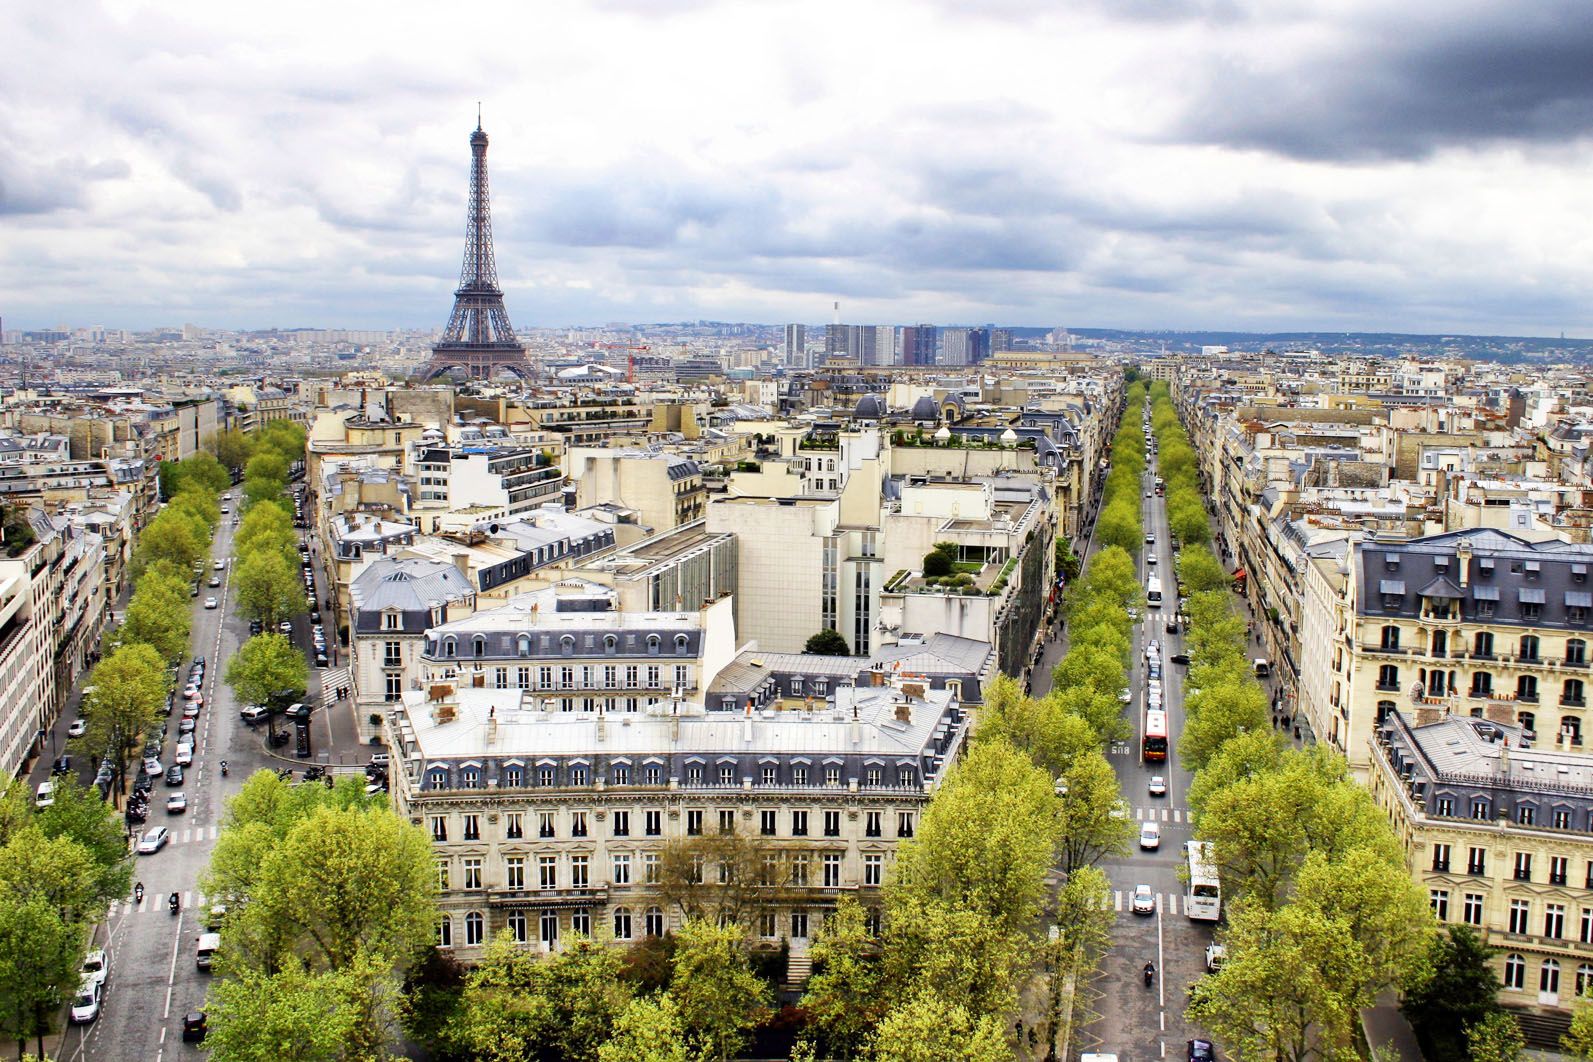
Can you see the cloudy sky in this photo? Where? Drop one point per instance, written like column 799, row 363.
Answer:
column 1425, row 165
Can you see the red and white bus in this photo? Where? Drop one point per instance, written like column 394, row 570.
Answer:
column 1153, row 747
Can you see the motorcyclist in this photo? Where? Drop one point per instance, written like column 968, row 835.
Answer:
column 138, row 892
column 1150, row 973
column 174, row 903
column 224, row 768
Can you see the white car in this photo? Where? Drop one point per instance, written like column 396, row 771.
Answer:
column 177, row 803
column 285, row 627
column 154, row 840
column 1144, row 901
column 1157, row 786
column 78, row 728
column 210, row 602
column 97, row 965
column 1125, row 695
column 1150, row 836
column 185, row 755
column 1215, row 954
column 1150, row 558
column 220, row 565
column 1150, row 540
column 86, row 1004
column 191, row 710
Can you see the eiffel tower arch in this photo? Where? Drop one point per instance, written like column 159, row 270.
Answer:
column 479, row 338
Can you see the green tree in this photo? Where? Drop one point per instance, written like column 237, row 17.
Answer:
column 200, row 468
column 199, row 505
column 1242, row 756
column 1368, row 890
column 936, row 564
column 1118, row 525
column 158, row 616
column 827, row 643
column 296, row 1013
column 80, row 816
column 1200, row 571
column 258, row 490
column 927, row 1028
column 268, row 588
column 719, row 998
column 1051, row 735
column 265, row 665
column 650, row 1030
column 843, row 997
column 1455, row 989
column 987, row 840
column 39, row 958
column 1067, row 562
column 1089, row 797
column 955, row 952
column 171, row 536
column 56, row 870
column 266, row 465
column 1218, row 713
column 1089, row 667
column 1496, row 1038
column 232, row 448
column 126, row 693
column 1578, row 1040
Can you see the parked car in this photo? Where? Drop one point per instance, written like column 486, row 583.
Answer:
column 86, row 1004
column 187, row 725
column 215, row 580
column 177, row 803
column 285, row 627
column 1144, row 901
column 62, row 765
column 97, row 965
column 1181, row 659
column 1201, row 1051
column 45, row 795
column 185, row 755
column 194, row 1027
column 254, row 713
column 154, row 840
column 220, row 565
column 78, row 728
column 191, row 710
column 1215, row 954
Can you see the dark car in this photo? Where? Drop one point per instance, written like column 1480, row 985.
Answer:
column 174, row 775
column 1180, row 658
column 62, row 765
column 1202, row 1051
column 1172, row 626
column 194, row 1027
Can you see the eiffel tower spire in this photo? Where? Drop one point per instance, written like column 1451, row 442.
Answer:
column 478, row 338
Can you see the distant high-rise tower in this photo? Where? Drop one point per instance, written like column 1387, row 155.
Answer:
column 918, row 345
column 796, row 345
column 479, row 338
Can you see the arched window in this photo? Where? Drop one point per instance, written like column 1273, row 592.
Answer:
column 1573, row 693
column 1584, row 977
column 1571, row 727
column 1529, row 647
column 680, row 645
column 550, row 927
column 610, row 644
column 473, row 928
column 1528, row 721
column 1482, row 645
column 652, row 645
column 1440, row 643
column 1515, row 972
column 517, row 926
column 1481, row 684
column 1384, row 710
column 522, row 645
column 1527, row 688
column 445, row 932
column 1549, row 976
column 1576, row 651
column 567, row 645
column 653, row 922
column 478, row 646
column 622, row 923
column 449, row 648
column 1388, row 677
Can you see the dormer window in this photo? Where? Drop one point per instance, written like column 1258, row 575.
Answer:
column 1391, row 561
column 449, row 647
column 1531, row 568
column 1579, row 573
column 1484, row 567
column 392, row 620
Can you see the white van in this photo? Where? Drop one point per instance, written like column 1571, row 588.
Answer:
column 208, row 943
column 46, row 794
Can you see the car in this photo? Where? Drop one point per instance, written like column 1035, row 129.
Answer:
column 1150, row 540
column 97, row 965
column 285, row 627
column 61, row 765
column 188, row 725
column 1157, row 786
column 174, row 775
column 194, row 1027
column 1172, row 626
column 185, row 755
column 176, row 803
column 298, row 710
column 1144, row 901
column 152, row 767
column 1147, row 494
column 254, row 713
column 45, row 795
column 380, row 759
column 193, row 591
column 1182, row 659
column 1125, row 695
column 215, row 580
column 154, row 840
column 1215, row 954
column 320, row 660
column 375, row 787
column 78, row 728
column 199, row 661
column 192, row 689
column 1150, row 558
column 1150, row 836
column 1201, row 1051
column 210, row 602
column 220, row 565
column 191, row 710
column 86, row 1004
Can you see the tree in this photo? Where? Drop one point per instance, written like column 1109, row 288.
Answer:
column 266, row 465
column 267, row 588
column 232, row 448
column 1044, row 728
column 927, row 1028
column 201, row 469
column 955, row 952
column 719, row 998
column 1578, row 1040
column 987, row 840
column 1218, row 713
column 430, row 1004
column 125, row 694
column 1118, row 525
column 264, row 666
column 1089, row 828
column 254, row 1016
column 158, row 616
column 717, row 876
column 650, row 1030
column 258, row 490
column 39, row 958
column 56, row 870
column 1496, row 1038
column 1454, row 990
column 1199, row 571
column 173, row 536
column 843, row 997
column 1067, row 562
column 1240, row 757
column 1368, row 890
column 936, row 564
column 827, row 643
column 80, row 816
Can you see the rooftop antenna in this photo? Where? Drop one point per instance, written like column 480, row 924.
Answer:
column 478, row 114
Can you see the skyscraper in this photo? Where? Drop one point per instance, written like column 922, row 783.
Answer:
column 964, row 346
column 918, row 344
column 796, row 345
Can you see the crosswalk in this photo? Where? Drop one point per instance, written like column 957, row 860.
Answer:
column 156, row 901
column 1166, row 902
column 1160, row 813
column 331, row 680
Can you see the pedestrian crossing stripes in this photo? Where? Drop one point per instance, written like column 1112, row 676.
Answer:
column 1166, row 902
column 331, row 682
column 1158, row 813
column 191, row 899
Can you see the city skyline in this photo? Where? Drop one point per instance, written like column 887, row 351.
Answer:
column 1188, row 166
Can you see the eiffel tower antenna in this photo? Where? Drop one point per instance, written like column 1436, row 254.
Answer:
column 478, row 338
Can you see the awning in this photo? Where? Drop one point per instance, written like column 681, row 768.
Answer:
column 1485, row 593
column 1579, row 599
column 1531, row 595
column 1391, row 586
column 1441, row 588
column 1579, row 569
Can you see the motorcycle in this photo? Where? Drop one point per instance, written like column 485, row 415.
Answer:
column 138, row 893
column 174, row 903
column 223, row 768
column 1150, row 974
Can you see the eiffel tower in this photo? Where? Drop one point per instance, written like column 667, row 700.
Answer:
column 479, row 338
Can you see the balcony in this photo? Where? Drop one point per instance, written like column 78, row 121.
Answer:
column 1573, row 702
column 591, row 896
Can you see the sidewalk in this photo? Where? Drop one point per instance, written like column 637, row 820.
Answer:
column 1387, row 1028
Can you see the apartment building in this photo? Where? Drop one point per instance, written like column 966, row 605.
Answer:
column 665, row 489
column 1500, row 833
column 484, row 481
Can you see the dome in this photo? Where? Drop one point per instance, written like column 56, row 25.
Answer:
column 1009, row 437
column 924, row 409
column 869, row 407
column 943, row 434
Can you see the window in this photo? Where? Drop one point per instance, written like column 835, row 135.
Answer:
column 799, row 824
column 799, row 870
column 1388, row 677
column 1446, row 806
column 1529, row 647
column 766, row 822
column 727, row 821
column 622, row 823
column 653, row 773
column 1482, row 644
column 1549, row 976
column 871, row 824
column 906, row 777
column 1441, row 857
column 472, row 866
column 694, row 822
column 622, row 869
column 1562, row 819
column 832, row 824
column 652, row 823
column 581, row 921
column 654, row 922
column 445, row 932
column 1438, row 899
column 1481, row 684
column 1526, row 814
column 577, row 775
column 622, row 923
column 621, row 774
column 832, row 776
column 545, row 824
column 392, row 621
column 872, row 777
column 799, row 776
column 577, row 824
column 799, row 925
column 1571, row 727
column 522, row 678
column 1586, row 924
column 517, row 926
column 1576, row 651
column 1584, row 977
column 694, row 774
column 1390, row 638
column 1526, row 690
column 514, row 872
column 548, row 924
column 770, row 874
column 768, row 924
column 873, row 866
column 1471, row 910
column 1558, row 868
column 548, row 872
column 1515, row 972
column 439, row 827
column 1520, row 917
column 769, row 775
column 1479, row 807
column 832, row 870
column 1477, row 861
column 650, row 868
column 513, row 778
column 727, row 774
column 473, row 928
column 442, row 875
column 1554, row 920
column 547, row 776
column 449, row 647
column 904, row 824
column 1523, row 871
column 579, row 876
column 472, row 827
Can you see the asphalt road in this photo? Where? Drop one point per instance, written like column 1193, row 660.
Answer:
column 154, row 980
column 1135, row 1022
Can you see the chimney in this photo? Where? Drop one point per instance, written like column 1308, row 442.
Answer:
column 462, row 562
column 904, row 711
column 492, row 725
column 1463, row 560
column 1504, row 758
column 857, row 727
column 602, row 724
column 876, row 675
column 746, row 725
column 674, row 720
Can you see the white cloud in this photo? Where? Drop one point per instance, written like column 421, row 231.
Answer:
column 1207, row 163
